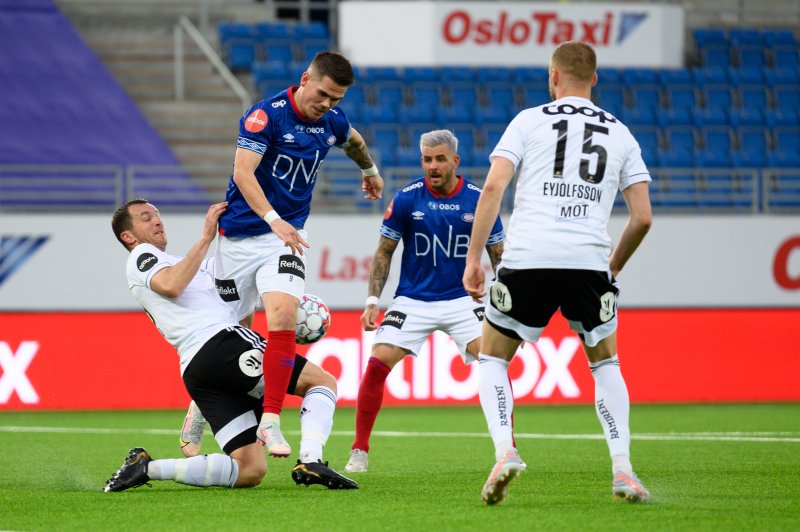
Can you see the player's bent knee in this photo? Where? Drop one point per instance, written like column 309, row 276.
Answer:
column 252, row 465
column 311, row 376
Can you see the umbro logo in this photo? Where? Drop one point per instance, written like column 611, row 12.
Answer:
column 417, row 215
column 16, row 250
column 288, row 137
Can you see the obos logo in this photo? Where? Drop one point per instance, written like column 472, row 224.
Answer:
column 257, row 121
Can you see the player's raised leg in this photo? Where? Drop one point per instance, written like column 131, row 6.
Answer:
column 370, row 399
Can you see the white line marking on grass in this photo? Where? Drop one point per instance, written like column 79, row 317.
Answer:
column 776, row 437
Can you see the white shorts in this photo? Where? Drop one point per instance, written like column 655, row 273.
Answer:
column 245, row 268
column 408, row 322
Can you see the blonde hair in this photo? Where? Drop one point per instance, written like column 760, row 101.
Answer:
column 576, row 59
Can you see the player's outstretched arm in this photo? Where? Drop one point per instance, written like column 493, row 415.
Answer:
column 500, row 174
column 640, row 219
column 171, row 281
column 356, row 149
column 378, row 274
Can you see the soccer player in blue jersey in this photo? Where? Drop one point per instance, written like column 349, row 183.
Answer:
column 433, row 217
column 282, row 143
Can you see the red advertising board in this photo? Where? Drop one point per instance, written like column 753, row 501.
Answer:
column 52, row 361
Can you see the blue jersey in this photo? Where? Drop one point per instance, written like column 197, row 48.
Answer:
column 435, row 231
column 292, row 150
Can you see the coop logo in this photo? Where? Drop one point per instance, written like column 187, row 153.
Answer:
column 279, row 103
column 257, row 121
column 226, row 288
column 291, row 265
column 16, row 251
column 14, row 365
column 539, row 28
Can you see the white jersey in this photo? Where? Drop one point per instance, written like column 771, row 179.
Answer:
column 187, row 321
column 574, row 157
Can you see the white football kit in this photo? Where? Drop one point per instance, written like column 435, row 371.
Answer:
column 187, row 321
column 574, row 157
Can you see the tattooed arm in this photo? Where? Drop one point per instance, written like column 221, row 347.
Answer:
column 378, row 274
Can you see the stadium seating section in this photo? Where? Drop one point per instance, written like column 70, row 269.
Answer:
column 707, row 130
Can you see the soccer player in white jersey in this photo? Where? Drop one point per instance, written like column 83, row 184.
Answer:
column 281, row 145
column 220, row 362
column 433, row 217
column 572, row 158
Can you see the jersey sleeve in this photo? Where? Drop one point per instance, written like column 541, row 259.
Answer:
column 393, row 226
column 341, row 126
column 498, row 234
column 512, row 143
column 254, row 129
column 633, row 169
column 143, row 263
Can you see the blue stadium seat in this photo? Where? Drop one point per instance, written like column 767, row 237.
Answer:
column 639, row 116
column 296, row 69
column 379, row 114
column 751, row 56
column 717, row 138
column 781, row 76
column 675, row 76
column 715, row 56
column 310, row 30
column 270, row 88
column 786, row 57
column 425, row 93
column 355, row 94
column 710, row 75
column 389, row 93
column 753, row 97
column 680, row 115
column 680, row 139
column 386, row 135
column 779, row 37
column 745, row 36
column 415, row 131
column 271, row 71
column 408, row 156
column 234, row 30
column 420, row 74
column 352, row 109
column 639, row 76
column 746, row 76
column 703, row 117
column 607, row 75
column 492, row 74
column 272, row 31
column 746, row 116
column 463, row 95
column 647, row 136
column 610, row 96
column 311, row 48
column 748, row 159
column 787, row 96
column 418, row 112
column 491, row 134
column 787, row 138
column 480, row 155
column 646, row 95
column 649, row 156
column 501, row 94
column 752, row 139
column 455, row 114
column 681, row 96
column 783, row 159
column 717, row 97
column 533, row 96
column 782, row 116
column 491, row 113
column 374, row 74
column 466, row 137
column 528, row 75
column 709, row 36
column 450, row 74
column 278, row 52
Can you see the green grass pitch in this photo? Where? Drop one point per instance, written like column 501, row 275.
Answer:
column 708, row 467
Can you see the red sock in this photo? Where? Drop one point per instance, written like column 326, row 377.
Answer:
column 370, row 397
column 278, row 367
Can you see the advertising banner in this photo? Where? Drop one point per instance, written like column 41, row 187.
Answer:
column 509, row 33
column 55, row 361
column 73, row 262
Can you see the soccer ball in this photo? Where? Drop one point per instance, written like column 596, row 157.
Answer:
column 313, row 319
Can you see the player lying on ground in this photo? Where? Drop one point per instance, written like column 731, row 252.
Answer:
column 220, row 362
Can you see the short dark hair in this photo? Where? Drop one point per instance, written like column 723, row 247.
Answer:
column 121, row 219
column 335, row 66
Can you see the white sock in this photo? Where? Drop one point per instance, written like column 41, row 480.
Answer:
column 613, row 409
column 316, row 422
column 497, row 401
column 204, row 470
